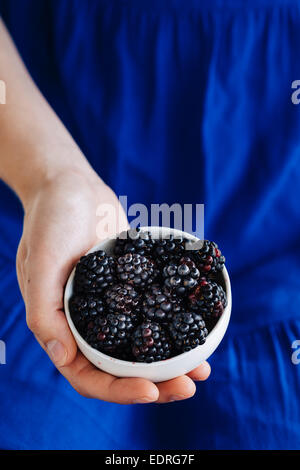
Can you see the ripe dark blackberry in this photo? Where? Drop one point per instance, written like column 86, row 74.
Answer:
column 110, row 334
column 94, row 273
column 150, row 343
column 181, row 276
column 208, row 298
column 136, row 270
column 160, row 304
column 85, row 309
column 134, row 241
column 163, row 250
column 123, row 298
column 169, row 250
column 187, row 330
column 208, row 258
column 125, row 353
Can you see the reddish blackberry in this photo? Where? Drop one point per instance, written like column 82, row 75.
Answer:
column 181, row 276
column 134, row 241
column 84, row 310
column 123, row 298
column 208, row 298
column 187, row 330
column 136, row 270
column 160, row 304
column 150, row 343
column 169, row 250
column 110, row 334
column 208, row 258
column 94, row 273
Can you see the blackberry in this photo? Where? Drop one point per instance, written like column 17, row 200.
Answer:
column 187, row 330
column 135, row 242
column 160, row 304
column 153, row 299
column 94, row 273
column 208, row 298
column 125, row 353
column 136, row 270
column 163, row 250
column 123, row 298
column 181, row 276
column 150, row 343
column 110, row 333
column 169, row 250
column 208, row 258
column 83, row 310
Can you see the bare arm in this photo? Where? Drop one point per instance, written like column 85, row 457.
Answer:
column 60, row 193
column 35, row 147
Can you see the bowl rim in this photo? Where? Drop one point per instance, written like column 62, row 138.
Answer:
column 100, row 356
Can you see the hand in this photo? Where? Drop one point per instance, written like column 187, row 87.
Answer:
column 41, row 162
column 60, row 226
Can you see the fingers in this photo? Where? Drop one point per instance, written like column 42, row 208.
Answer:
column 93, row 383
column 54, row 335
column 180, row 388
column 201, row 372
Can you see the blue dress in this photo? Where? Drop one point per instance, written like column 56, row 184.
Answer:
column 173, row 101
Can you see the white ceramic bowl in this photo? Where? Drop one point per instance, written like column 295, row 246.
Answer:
column 161, row 370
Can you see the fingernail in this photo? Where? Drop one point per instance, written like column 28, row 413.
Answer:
column 204, row 372
column 177, row 397
column 143, row 400
column 57, row 352
column 205, row 366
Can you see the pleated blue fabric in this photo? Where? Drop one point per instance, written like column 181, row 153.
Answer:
column 173, row 101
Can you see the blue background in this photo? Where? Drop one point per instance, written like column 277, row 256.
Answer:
column 173, row 101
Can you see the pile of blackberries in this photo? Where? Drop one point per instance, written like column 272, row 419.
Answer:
column 153, row 299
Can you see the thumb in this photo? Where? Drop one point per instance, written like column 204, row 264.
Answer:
column 52, row 332
column 46, row 319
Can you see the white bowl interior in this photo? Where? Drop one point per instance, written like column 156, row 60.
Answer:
column 161, row 370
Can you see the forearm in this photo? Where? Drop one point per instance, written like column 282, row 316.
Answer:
column 35, row 147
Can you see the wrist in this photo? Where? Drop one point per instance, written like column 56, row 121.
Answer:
column 66, row 166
